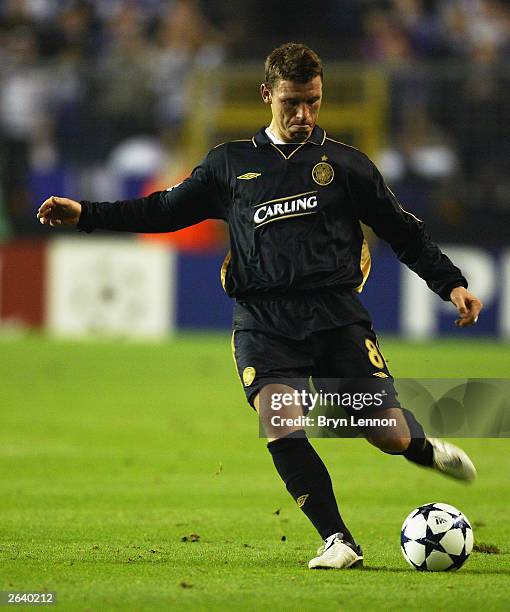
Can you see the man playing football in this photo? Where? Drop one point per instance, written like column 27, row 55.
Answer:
column 294, row 199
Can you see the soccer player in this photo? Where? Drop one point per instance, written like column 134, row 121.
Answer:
column 293, row 199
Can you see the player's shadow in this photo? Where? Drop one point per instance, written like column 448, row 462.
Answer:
column 398, row 570
column 393, row 570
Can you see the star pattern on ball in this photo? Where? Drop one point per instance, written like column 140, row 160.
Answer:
column 436, row 537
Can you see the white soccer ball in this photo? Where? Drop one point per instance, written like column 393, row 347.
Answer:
column 436, row 537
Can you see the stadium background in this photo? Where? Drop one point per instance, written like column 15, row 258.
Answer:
column 106, row 100
column 131, row 473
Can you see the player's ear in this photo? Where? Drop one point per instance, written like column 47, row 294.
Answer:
column 265, row 92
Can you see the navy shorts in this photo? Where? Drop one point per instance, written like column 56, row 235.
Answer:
column 345, row 358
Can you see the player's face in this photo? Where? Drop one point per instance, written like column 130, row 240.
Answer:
column 295, row 107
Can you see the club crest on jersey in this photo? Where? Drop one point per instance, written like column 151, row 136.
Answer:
column 285, row 208
column 323, row 173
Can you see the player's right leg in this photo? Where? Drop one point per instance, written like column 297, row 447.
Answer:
column 305, row 476
column 269, row 367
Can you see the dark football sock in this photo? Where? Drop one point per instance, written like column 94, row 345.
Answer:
column 420, row 450
column 308, row 481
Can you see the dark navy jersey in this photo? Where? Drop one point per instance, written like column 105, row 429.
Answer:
column 294, row 214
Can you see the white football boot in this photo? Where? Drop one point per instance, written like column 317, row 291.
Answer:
column 452, row 460
column 335, row 553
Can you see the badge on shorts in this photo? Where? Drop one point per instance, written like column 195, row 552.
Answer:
column 248, row 376
column 323, row 173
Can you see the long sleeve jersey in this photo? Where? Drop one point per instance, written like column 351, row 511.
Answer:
column 293, row 214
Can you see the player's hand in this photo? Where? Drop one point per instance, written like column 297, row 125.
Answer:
column 468, row 306
column 57, row 211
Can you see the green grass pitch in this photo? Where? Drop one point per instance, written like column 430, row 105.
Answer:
column 112, row 454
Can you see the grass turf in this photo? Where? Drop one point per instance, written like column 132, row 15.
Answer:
column 112, row 453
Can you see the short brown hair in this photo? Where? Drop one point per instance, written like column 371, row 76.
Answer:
column 292, row 62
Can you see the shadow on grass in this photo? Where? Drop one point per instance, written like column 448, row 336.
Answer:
column 395, row 570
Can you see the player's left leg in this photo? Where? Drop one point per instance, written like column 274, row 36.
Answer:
column 357, row 359
column 407, row 438
column 404, row 436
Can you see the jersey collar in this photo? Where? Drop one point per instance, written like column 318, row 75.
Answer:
column 317, row 137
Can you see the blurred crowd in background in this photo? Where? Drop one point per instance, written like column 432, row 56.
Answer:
column 92, row 91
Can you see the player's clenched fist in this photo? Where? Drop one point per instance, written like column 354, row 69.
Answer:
column 59, row 211
column 468, row 306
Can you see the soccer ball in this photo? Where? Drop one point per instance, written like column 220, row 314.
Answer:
column 436, row 537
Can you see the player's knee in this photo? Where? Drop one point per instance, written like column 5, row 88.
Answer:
column 278, row 419
column 392, row 444
column 395, row 439
column 396, row 446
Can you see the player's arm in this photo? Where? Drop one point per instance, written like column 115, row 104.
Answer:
column 379, row 208
column 194, row 200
